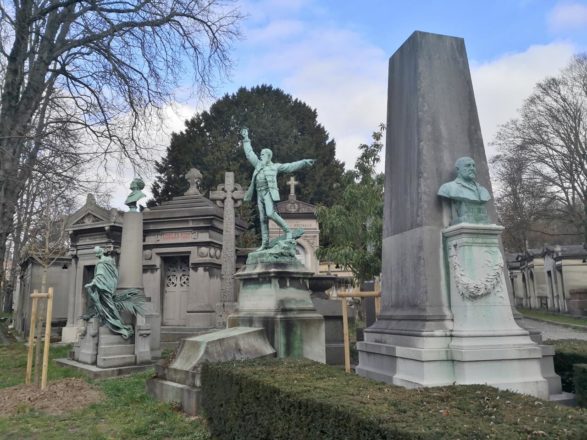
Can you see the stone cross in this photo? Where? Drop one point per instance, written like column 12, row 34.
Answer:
column 228, row 195
column 292, row 182
column 194, row 177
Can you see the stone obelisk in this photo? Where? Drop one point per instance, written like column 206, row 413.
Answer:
column 432, row 121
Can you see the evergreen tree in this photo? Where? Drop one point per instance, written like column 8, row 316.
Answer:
column 211, row 143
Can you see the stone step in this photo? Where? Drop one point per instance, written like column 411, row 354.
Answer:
column 116, row 361
column 106, row 339
column 116, row 350
column 564, row 398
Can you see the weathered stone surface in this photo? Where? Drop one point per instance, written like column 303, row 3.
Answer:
column 86, row 349
column 180, row 381
column 228, row 196
column 432, row 121
column 276, row 297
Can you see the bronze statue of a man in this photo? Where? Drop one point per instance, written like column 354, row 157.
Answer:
column 264, row 183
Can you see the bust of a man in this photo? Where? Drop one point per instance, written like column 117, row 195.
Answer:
column 467, row 197
column 136, row 194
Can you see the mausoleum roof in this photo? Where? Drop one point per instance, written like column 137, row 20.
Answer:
column 92, row 215
column 195, row 205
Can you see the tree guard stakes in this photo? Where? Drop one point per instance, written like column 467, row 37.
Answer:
column 345, row 317
column 34, row 319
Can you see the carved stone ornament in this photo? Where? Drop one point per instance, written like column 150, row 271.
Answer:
column 89, row 218
column 476, row 288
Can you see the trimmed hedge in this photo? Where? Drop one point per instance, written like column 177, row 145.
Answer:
column 567, row 353
column 300, row 399
column 581, row 384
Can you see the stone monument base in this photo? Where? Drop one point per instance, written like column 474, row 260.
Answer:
column 99, row 348
column 484, row 345
column 180, row 381
column 276, row 297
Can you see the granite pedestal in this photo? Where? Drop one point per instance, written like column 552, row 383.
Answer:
column 276, row 297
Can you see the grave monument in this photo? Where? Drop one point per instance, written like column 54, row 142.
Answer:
column 446, row 314
column 117, row 335
column 274, row 291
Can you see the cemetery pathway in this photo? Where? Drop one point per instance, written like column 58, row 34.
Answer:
column 553, row 331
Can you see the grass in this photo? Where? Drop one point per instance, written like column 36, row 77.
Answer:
column 126, row 413
column 554, row 317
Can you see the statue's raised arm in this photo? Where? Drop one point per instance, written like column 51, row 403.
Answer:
column 251, row 156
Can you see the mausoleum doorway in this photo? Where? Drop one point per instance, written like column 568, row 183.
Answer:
column 176, row 287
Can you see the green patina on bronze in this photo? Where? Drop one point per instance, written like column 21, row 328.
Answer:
column 136, row 194
column 105, row 303
column 467, row 197
column 264, row 184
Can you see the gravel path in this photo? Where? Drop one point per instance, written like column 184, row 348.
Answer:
column 553, row 331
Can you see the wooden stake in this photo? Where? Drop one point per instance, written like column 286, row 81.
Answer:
column 47, row 338
column 345, row 335
column 39, row 331
column 32, row 329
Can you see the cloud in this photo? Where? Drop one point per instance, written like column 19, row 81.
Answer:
column 567, row 16
column 334, row 70
column 502, row 85
column 161, row 124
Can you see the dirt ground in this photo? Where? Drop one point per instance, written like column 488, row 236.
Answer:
column 61, row 396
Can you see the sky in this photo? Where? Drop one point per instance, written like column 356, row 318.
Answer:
column 333, row 55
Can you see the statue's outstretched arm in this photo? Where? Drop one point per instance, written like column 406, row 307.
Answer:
column 251, row 156
column 294, row 166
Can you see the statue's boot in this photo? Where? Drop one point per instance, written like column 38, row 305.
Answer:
column 264, row 237
column 263, row 247
column 283, row 225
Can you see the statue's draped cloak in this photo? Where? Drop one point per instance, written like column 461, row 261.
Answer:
column 102, row 293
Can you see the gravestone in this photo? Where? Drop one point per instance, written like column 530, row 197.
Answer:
column 228, row 196
column 428, row 333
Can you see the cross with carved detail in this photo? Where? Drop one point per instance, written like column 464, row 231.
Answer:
column 228, row 195
column 292, row 182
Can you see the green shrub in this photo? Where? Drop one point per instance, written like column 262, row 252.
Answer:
column 581, row 384
column 299, row 399
column 567, row 353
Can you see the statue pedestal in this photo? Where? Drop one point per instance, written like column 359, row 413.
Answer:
column 85, row 350
column 484, row 346
column 276, row 297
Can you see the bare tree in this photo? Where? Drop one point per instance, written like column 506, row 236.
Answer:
column 549, row 142
column 95, row 67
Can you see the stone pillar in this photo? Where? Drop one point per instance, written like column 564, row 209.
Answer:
column 131, row 277
column 130, row 267
column 69, row 333
column 228, row 196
